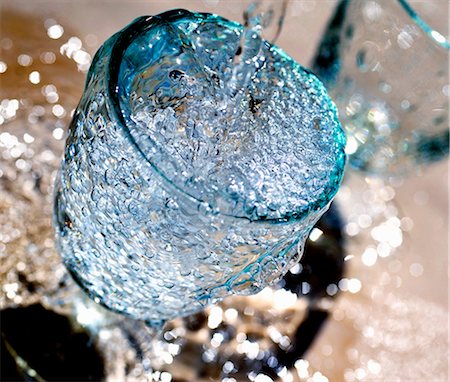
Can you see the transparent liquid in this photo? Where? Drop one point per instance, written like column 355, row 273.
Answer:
column 201, row 193
column 263, row 20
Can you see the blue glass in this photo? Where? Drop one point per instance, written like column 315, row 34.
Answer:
column 387, row 70
column 172, row 193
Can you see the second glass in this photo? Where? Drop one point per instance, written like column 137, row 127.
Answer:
column 387, row 71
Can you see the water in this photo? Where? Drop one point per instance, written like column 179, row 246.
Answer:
column 263, row 20
column 268, row 16
column 175, row 192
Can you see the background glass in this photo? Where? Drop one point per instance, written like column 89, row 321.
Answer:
column 388, row 73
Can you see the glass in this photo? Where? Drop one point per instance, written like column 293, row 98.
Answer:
column 152, row 219
column 387, row 71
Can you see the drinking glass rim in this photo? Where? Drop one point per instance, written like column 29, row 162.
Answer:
column 437, row 37
column 123, row 39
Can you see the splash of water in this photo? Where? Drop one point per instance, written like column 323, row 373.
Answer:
column 263, row 20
